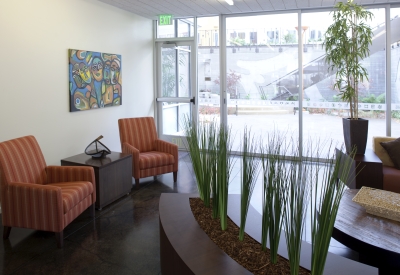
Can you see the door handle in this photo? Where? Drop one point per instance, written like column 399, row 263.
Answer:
column 193, row 100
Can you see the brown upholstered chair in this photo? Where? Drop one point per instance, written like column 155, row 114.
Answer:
column 151, row 156
column 41, row 197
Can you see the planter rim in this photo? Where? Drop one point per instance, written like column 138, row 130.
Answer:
column 184, row 233
column 348, row 118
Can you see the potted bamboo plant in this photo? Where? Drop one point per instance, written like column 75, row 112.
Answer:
column 346, row 44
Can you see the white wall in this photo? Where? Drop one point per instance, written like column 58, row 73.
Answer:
column 34, row 97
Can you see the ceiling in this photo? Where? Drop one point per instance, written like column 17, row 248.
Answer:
column 186, row 8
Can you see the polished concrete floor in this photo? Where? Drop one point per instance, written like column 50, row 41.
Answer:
column 122, row 239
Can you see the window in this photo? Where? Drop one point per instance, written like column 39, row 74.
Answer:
column 179, row 28
column 253, row 38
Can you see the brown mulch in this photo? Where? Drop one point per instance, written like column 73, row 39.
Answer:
column 248, row 252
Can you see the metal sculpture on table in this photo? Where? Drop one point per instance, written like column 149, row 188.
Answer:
column 99, row 151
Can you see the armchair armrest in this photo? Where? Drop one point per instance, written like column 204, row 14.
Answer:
column 57, row 174
column 20, row 198
column 167, row 147
column 129, row 149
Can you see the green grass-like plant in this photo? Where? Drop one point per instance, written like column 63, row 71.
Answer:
column 209, row 148
column 274, row 180
column 201, row 147
column 224, row 166
column 286, row 187
column 296, row 202
column 325, row 199
column 250, row 167
column 212, row 167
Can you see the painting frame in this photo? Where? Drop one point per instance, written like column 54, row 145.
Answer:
column 95, row 80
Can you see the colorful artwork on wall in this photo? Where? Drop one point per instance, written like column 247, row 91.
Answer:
column 95, row 80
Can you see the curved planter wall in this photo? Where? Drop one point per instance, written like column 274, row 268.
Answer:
column 186, row 249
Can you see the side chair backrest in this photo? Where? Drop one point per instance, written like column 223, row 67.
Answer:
column 139, row 132
column 21, row 160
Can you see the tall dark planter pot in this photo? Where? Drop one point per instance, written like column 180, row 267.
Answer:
column 355, row 134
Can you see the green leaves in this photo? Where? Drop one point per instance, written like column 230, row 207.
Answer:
column 274, row 181
column 346, row 44
column 201, row 144
column 325, row 200
column 296, row 202
column 250, row 168
column 289, row 183
column 224, row 167
column 209, row 147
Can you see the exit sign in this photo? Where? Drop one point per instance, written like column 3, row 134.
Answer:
column 165, row 19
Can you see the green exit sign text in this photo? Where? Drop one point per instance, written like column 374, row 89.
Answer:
column 165, row 19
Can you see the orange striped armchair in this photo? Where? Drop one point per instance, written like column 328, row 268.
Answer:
column 151, row 156
column 41, row 197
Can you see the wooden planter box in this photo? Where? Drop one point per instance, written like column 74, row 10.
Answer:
column 186, row 249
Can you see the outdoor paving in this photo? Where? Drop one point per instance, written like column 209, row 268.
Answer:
column 315, row 126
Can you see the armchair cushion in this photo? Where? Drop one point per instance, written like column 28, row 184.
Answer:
column 155, row 159
column 380, row 151
column 393, row 149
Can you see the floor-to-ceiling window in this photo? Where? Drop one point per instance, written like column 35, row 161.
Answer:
column 324, row 109
column 395, row 70
column 262, row 75
column 208, row 68
column 372, row 92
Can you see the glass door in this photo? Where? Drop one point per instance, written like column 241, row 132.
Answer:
column 175, row 89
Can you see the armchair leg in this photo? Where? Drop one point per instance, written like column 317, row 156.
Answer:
column 137, row 183
column 60, row 239
column 92, row 210
column 6, row 232
column 175, row 175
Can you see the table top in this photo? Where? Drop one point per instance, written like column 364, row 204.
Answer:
column 366, row 230
column 83, row 159
column 369, row 156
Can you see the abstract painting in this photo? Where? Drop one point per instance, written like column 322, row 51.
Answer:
column 95, row 80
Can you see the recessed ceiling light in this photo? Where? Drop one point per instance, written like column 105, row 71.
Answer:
column 230, row 2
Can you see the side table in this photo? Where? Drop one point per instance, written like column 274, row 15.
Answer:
column 367, row 168
column 376, row 239
column 113, row 175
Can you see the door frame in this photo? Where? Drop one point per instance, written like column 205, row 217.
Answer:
column 177, row 42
